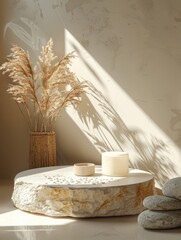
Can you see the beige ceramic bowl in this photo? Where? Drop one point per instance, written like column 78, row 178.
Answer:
column 84, row 169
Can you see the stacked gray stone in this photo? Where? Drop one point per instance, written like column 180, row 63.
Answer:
column 163, row 211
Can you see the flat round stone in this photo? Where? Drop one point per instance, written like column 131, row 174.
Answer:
column 172, row 188
column 57, row 192
column 159, row 202
column 160, row 219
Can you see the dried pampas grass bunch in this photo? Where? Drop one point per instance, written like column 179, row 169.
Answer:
column 44, row 90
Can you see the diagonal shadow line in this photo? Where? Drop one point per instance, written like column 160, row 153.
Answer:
column 152, row 153
column 175, row 120
column 86, row 64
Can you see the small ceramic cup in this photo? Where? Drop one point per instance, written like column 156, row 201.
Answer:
column 84, row 169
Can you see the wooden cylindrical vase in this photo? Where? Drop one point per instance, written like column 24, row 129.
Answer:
column 42, row 151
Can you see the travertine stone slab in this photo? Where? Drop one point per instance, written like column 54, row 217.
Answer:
column 159, row 202
column 57, row 192
column 160, row 219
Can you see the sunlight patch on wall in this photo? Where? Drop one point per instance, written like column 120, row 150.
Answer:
column 89, row 69
column 112, row 120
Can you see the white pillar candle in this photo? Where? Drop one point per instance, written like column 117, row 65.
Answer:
column 115, row 163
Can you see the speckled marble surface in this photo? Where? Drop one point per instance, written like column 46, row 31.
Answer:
column 63, row 176
column 18, row 225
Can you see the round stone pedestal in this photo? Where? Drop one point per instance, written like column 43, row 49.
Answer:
column 57, row 192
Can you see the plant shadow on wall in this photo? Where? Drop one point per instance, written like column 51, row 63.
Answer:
column 150, row 153
column 30, row 37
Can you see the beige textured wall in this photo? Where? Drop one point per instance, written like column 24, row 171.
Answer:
column 131, row 52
